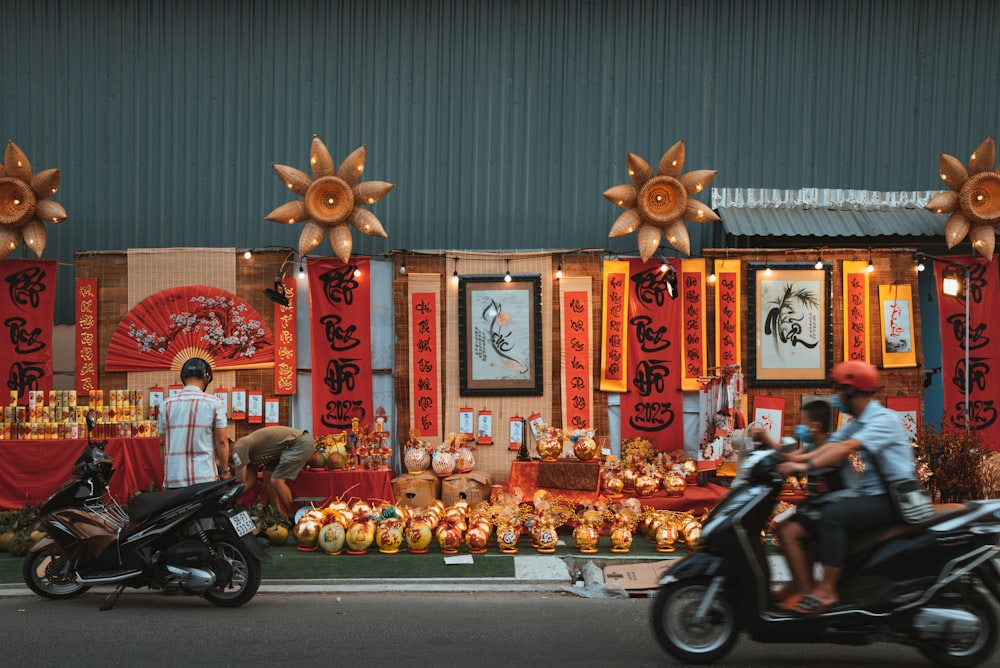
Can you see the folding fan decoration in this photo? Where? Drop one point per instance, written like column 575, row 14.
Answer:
column 167, row 328
column 330, row 200
column 24, row 204
column 657, row 202
column 973, row 201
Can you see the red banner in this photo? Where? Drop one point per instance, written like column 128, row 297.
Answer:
column 857, row 325
column 614, row 325
column 970, row 348
column 27, row 313
column 86, row 335
column 425, row 362
column 341, row 344
column 692, row 289
column 576, row 366
column 653, row 407
column 728, row 312
column 285, row 356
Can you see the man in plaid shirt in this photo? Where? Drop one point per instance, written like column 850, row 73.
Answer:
column 194, row 440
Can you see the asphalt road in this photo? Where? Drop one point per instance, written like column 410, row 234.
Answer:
column 372, row 629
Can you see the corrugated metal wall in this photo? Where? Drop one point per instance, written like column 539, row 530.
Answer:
column 501, row 121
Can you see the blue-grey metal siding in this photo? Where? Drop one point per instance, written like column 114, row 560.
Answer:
column 501, row 121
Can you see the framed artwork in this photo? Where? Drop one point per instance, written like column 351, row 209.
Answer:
column 790, row 324
column 897, row 326
column 500, row 335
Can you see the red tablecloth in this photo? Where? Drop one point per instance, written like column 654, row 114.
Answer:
column 30, row 471
column 316, row 486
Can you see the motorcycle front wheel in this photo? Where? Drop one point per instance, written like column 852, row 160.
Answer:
column 50, row 574
column 704, row 641
column 237, row 572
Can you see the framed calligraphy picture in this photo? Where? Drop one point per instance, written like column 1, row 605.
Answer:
column 790, row 323
column 500, row 335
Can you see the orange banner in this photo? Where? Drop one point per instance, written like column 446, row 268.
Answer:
column 857, row 322
column 577, row 344
column 694, row 344
column 425, row 354
column 285, row 356
column 614, row 321
column 86, row 335
column 728, row 312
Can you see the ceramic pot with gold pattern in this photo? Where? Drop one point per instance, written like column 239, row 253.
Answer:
column 549, row 448
column 585, row 448
column 666, row 536
column 646, row 485
column 621, row 539
column 613, row 486
column 629, row 477
column 546, row 538
column 508, row 533
column 586, row 537
column 674, row 484
column 418, row 535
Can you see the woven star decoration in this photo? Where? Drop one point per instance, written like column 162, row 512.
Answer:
column 657, row 203
column 24, row 203
column 973, row 201
column 331, row 201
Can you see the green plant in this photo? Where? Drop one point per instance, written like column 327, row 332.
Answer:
column 950, row 458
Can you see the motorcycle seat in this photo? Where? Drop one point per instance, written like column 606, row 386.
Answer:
column 863, row 541
column 150, row 503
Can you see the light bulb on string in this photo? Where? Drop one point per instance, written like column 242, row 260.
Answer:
column 506, row 276
column 454, row 274
column 247, row 254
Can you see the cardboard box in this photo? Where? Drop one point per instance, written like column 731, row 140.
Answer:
column 639, row 577
column 416, row 490
column 472, row 487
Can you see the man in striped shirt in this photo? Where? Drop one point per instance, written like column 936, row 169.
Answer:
column 194, row 440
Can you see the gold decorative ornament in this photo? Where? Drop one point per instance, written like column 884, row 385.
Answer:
column 973, row 203
column 657, row 203
column 24, row 203
column 331, row 201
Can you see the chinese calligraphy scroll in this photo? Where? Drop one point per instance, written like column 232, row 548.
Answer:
column 341, row 343
column 728, row 312
column 614, row 324
column 653, row 406
column 86, row 335
column 425, row 354
column 857, row 322
column 577, row 344
column 895, row 302
column 285, row 356
column 692, row 292
column 27, row 308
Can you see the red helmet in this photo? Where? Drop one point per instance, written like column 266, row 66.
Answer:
column 859, row 375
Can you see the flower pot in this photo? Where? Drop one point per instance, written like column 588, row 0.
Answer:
column 417, row 460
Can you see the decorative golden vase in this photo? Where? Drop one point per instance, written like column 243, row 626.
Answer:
column 646, row 485
column 621, row 539
column 666, row 536
column 546, row 538
column 585, row 448
column 449, row 537
column 418, row 536
column 674, row 484
column 613, row 486
column 389, row 536
column 477, row 538
column 549, row 448
column 586, row 537
column 508, row 534
column 628, row 478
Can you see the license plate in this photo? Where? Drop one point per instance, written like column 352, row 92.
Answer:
column 242, row 523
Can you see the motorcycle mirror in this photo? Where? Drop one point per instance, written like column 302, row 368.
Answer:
column 91, row 420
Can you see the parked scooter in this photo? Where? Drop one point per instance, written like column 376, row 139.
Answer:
column 190, row 540
column 932, row 586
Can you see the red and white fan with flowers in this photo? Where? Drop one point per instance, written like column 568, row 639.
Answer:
column 167, row 328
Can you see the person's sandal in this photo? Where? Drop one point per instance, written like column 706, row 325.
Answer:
column 810, row 605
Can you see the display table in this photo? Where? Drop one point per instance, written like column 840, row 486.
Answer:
column 525, row 477
column 696, row 500
column 30, row 471
column 316, row 486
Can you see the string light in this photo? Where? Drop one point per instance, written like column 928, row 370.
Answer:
column 918, row 261
column 247, row 254
column 711, row 273
column 819, row 262
column 402, row 266
column 357, row 272
column 454, row 274
column 506, row 277
column 871, row 267
column 559, row 269
column 302, row 270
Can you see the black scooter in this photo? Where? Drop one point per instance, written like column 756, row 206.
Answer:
column 932, row 586
column 190, row 540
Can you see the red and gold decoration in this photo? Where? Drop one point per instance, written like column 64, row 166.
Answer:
column 577, row 346
column 973, row 203
column 857, row 318
column 86, row 335
column 331, row 201
column 728, row 312
column 24, row 203
column 614, row 325
column 340, row 296
column 694, row 342
column 27, row 309
column 425, row 353
column 285, row 355
column 657, row 203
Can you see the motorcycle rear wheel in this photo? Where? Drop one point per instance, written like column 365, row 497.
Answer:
column 243, row 577
column 674, row 609
column 50, row 574
column 976, row 652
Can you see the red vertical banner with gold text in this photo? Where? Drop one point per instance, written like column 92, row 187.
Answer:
column 27, row 312
column 285, row 355
column 694, row 343
column 728, row 312
column 970, row 346
column 653, row 406
column 614, row 325
column 341, row 343
column 425, row 354
column 86, row 335
column 857, row 321
column 577, row 344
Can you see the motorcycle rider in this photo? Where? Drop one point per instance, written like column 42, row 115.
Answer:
column 192, row 423
column 875, row 431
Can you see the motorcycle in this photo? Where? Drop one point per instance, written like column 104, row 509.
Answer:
column 191, row 540
column 932, row 586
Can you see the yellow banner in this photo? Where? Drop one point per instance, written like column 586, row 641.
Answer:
column 857, row 322
column 728, row 312
column 694, row 348
column 614, row 325
column 896, row 310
